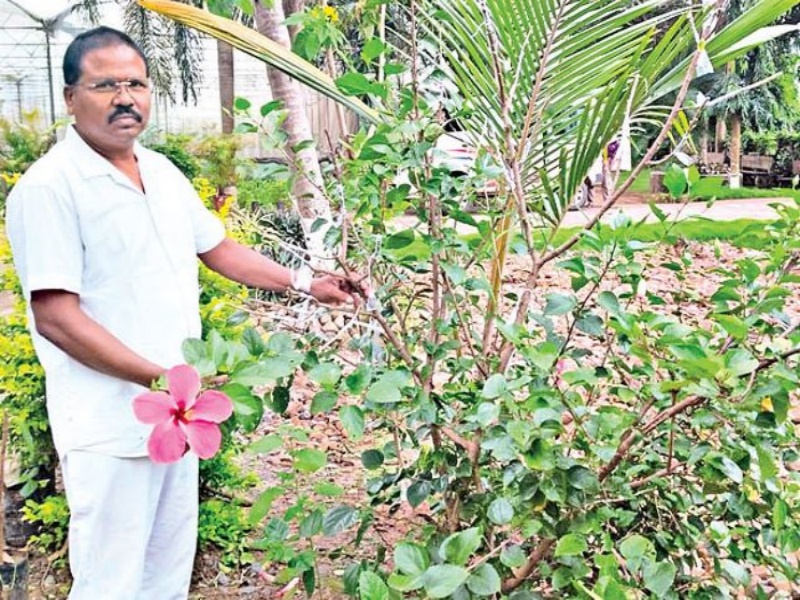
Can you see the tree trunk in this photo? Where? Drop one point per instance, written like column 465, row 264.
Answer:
column 310, row 202
column 226, row 84
column 720, row 135
column 289, row 8
column 736, row 151
column 704, row 144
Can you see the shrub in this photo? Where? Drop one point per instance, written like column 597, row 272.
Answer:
column 177, row 149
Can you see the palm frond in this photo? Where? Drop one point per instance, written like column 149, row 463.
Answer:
column 251, row 42
column 153, row 36
column 576, row 70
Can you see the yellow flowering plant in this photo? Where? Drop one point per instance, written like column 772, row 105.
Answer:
column 318, row 31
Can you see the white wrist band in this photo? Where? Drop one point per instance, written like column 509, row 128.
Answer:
column 301, row 280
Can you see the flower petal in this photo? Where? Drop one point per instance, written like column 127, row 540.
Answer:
column 204, row 438
column 212, row 406
column 167, row 443
column 183, row 382
column 153, row 407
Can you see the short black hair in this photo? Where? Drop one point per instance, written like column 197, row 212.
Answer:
column 99, row 37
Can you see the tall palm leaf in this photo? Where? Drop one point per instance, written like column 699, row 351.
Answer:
column 251, row 42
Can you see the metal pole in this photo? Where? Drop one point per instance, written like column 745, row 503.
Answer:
column 19, row 98
column 50, row 77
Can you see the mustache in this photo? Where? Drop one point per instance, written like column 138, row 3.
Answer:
column 123, row 111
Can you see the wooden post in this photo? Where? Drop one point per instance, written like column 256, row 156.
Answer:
column 736, row 151
column 657, row 182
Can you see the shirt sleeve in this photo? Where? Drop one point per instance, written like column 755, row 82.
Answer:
column 44, row 231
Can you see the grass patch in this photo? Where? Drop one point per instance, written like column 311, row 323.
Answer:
column 711, row 187
column 740, row 232
column 745, row 233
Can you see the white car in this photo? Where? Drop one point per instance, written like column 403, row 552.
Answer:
column 455, row 151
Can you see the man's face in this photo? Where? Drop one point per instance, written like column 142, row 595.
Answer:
column 107, row 115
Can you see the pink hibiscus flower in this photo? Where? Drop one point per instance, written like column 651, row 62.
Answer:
column 183, row 420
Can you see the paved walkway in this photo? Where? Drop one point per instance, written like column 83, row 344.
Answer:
column 721, row 210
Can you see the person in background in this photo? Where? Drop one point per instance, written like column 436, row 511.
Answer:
column 105, row 236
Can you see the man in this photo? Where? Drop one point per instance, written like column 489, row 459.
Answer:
column 105, row 236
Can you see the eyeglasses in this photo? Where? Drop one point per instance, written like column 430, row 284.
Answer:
column 135, row 87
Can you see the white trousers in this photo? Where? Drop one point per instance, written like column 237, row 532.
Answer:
column 133, row 526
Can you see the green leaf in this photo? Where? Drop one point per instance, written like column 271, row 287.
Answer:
column 263, row 503
column 487, row 414
column 323, row 402
column 540, row 456
column 352, row 419
column 372, row 587
column 636, row 546
column 372, row 459
column 583, row 479
column 325, row 374
column 457, row 548
column 766, row 464
column 494, row 387
column 267, row 444
column 270, row 106
column 247, row 408
column 559, row 304
column 636, row 549
column 405, row 583
column 279, row 399
column 608, row 301
column 401, row 239
column 195, row 353
column 740, row 362
column 309, row 460
column 410, row 559
column 484, row 580
column 326, row 488
column 264, row 372
column 418, row 492
column 780, row 513
column 372, row 50
column 358, row 380
column 311, row 525
column 353, row 83
column 241, row 104
column 735, row 327
column 658, row 577
column 571, row 544
column 500, row 511
column 737, row 573
column 441, row 581
column 455, row 273
column 731, row 469
column 675, row 181
column 387, row 388
column 513, row 556
column 338, row 519
column 357, row 84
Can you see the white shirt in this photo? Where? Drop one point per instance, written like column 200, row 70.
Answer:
column 76, row 223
